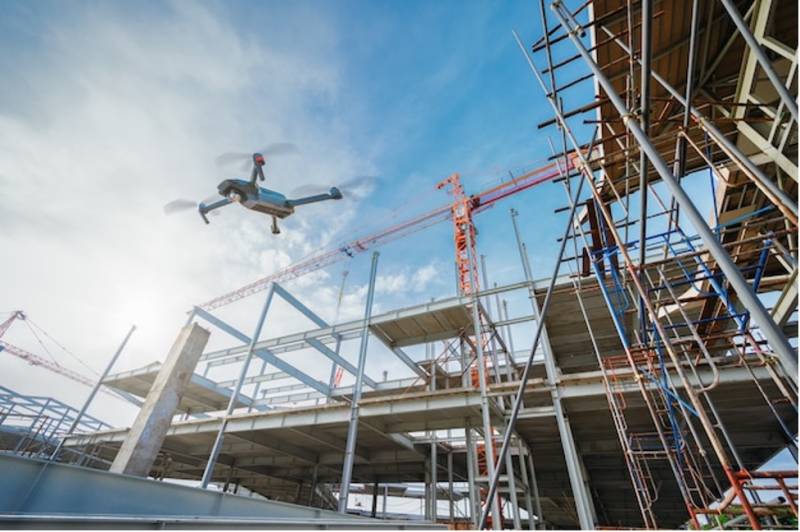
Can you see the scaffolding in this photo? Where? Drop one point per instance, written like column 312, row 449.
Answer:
column 694, row 296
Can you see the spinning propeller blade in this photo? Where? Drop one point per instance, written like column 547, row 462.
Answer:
column 179, row 205
column 276, row 148
column 356, row 188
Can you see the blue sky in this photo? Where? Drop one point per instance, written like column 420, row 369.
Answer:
column 113, row 110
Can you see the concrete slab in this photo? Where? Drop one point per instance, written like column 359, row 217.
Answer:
column 201, row 395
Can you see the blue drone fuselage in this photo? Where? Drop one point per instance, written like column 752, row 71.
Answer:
column 256, row 198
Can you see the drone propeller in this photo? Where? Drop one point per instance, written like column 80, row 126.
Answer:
column 276, row 148
column 181, row 205
column 356, row 188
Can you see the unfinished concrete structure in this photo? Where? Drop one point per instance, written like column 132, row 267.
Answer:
column 139, row 450
column 661, row 377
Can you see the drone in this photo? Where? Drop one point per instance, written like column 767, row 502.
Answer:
column 250, row 195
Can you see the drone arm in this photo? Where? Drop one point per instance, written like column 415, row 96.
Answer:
column 313, row 199
column 205, row 209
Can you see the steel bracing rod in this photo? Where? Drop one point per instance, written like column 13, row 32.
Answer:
column 745, row 293
column 212, row 458
column 784, row 202
column 680, row 164
column 496, row 337
column 331, row 380
column 512, row 491
column 95, row 389
column 495, row 477
column 680, row 146
column 488, row 433
column 322, row 324
column 352, row 429
column 647, row 56
column 761, row 56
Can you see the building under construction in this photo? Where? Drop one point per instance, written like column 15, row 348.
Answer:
column 660, row 386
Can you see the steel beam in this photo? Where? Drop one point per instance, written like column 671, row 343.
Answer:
column 315, row 343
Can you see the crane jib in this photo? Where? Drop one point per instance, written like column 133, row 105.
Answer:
column 481, row 201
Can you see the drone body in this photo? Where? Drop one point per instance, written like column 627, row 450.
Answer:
column 251, row 196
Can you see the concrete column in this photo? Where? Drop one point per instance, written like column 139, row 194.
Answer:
column 144, row 439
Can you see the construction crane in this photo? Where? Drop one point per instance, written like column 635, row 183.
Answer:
column 473, row 205
column 50, row 365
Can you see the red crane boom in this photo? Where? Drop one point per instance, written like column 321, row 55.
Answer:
column 36, row 360
column 477, row 203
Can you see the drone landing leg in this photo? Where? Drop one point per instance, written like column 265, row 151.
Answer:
column 275, row 229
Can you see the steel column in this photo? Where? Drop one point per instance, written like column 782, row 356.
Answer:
column 537, row 501
column 577, row 482
column 451, row 502
column 646, row 53
column 212, row 458
column 488, row 437
column 352, row 430
column 434, row 457
column 474, row 504
column 512, row 491
column 95, row 389
column 523, row 469
column 680, row 152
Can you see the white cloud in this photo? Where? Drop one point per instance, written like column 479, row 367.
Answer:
column 112, row 117
column 408, row 281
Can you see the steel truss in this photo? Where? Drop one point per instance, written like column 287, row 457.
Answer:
column 39, row 423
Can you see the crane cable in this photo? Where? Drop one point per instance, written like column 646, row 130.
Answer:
column 42, row 344
column 64, row 349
